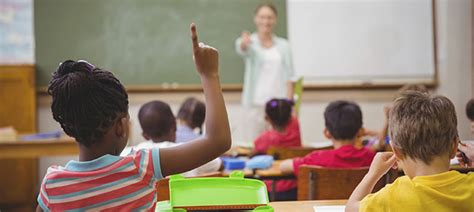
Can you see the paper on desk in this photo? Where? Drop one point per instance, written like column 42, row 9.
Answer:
column 329, row 208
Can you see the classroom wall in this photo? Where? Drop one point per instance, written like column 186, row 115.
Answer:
column 454, row 23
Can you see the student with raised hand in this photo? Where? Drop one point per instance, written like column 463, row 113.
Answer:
column 91, row 105
column 424, row 138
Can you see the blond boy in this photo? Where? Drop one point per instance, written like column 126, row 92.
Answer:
column 424, row 137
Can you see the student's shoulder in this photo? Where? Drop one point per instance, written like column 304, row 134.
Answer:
column 317, row 154
column 53, row 172
column 378, row 200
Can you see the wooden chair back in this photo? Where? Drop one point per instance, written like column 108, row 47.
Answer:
column 282, row 153
column 318, row 183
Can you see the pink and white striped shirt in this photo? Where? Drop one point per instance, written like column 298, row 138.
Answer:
column 107, row 183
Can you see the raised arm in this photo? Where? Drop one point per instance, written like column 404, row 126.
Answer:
column 217, row 139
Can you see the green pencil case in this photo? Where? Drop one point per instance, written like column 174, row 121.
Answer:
column 216, row 193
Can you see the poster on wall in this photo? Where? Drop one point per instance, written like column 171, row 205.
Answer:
column 16, row 32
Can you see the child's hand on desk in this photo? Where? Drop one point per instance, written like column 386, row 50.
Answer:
column 382, row 162
column 206, row 58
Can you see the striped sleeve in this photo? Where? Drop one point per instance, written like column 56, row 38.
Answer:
column 43, row 199
column 155, row 155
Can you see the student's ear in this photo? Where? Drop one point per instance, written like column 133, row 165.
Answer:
column 454, row 148
column 397, row 154
column 327, row 134
column 122, row 128
column 145, row 136
column 267, row 118
column 172, row 135
column 361, row 132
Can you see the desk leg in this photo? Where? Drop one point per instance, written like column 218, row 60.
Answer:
column 273, row 193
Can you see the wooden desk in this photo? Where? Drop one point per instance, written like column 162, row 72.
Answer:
column 38, row 148
column 273, row 173
column 239, row 151
column 19, row 159
column 303, row 206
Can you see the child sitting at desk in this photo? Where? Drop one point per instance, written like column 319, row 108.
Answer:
column 159, row 129
column 343, row 120
column 424, row 137
column 467, row 148
column 285, row 131
column 92, row 106
column 191, row 115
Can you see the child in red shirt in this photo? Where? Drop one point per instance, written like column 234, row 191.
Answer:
column 285, row 131
column 343, row 120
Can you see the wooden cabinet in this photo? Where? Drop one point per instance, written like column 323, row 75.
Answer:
column 18, row 97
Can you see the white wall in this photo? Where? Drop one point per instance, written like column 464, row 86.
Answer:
column 455, row 81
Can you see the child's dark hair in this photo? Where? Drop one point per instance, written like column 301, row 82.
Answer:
column 156, row 119
column 279, row 111
column 87, row 100
column 343, row 119
column 193, row 112
column 470, row 109
column 266, row 4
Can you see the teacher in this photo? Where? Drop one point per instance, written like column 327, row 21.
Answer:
column 268, row 69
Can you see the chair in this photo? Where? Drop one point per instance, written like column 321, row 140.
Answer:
column 163, row 187
column 282, row 153
column 318, row 183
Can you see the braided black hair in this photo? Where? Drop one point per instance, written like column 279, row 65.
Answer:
column 279, row 111
column 343, row 119
column 86, row 100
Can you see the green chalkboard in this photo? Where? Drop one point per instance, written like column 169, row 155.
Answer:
column 143, row 42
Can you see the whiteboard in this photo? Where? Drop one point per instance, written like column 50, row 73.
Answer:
column 336, row 42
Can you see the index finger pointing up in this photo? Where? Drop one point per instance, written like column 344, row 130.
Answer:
column 194, row 37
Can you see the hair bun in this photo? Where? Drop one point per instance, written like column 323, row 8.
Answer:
column 65, row 68
column 70, row 66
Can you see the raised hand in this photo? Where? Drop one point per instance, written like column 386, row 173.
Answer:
column 245, row 40
column 206, row 58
